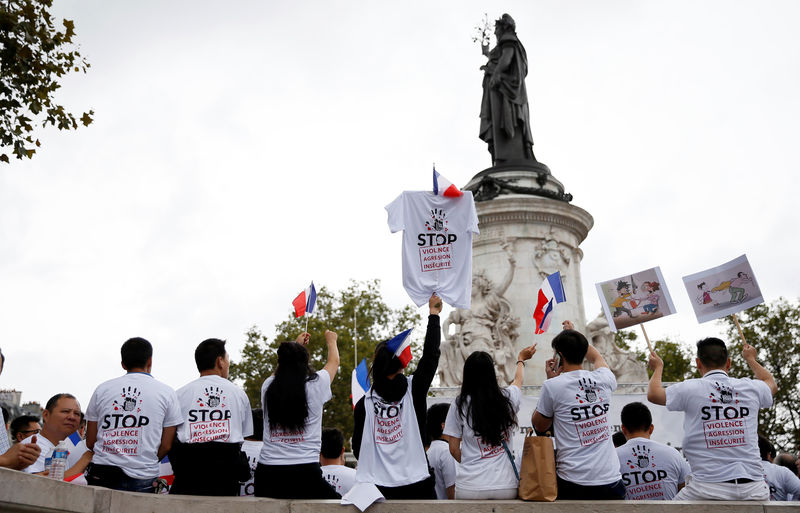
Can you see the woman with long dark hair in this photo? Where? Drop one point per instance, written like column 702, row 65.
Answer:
column 288, row 466
column 390, row 420
column 479, row 426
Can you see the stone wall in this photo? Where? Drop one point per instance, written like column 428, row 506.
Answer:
column 23, row 493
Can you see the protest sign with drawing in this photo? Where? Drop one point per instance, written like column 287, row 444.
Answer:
column 635, row 298
column 723, row 290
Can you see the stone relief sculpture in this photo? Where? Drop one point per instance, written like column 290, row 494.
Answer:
column 487, row 326
column 623, row 364
column 551, row 257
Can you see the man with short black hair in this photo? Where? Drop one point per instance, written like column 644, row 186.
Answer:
column 575, row 403
column 24, row 426
column 650, row 470
column 720, row 423
column 331, row 460
column 59, row 420
column 131, row 423
column 207, row 458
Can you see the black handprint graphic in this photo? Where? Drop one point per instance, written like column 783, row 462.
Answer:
column 437, row 222
column 724, row 395
column 588, row 387
column 641, row 457
column 130, row 400
column 214, row 397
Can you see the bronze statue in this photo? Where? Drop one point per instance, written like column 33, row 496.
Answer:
column 505, row 118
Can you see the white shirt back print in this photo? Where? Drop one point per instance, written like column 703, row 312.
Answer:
column 437, row 245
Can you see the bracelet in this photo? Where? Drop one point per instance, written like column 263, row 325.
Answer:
column 522, row 362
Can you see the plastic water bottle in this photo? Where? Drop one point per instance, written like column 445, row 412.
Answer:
column 59, row 462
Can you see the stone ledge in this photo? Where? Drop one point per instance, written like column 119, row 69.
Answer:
column 23, row 493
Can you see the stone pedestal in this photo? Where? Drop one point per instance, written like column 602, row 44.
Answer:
column 525, row 212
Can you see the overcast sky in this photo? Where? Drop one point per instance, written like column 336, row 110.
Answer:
column 241, row 149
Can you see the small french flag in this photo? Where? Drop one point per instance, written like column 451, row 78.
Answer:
column 443, row 187
column 305, row 301
column 359, row 384
column 551, row 292
column 400, row 346
column 75, row 438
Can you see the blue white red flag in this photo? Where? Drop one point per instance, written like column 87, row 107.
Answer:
column 359, row 384
column 551, row 292
column 305, row 301
column 443, row 187
column 400, row 346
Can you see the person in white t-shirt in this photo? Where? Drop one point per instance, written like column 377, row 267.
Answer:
column 783, row 483
column 478, row 428
column 251, row 447
column 331, row 460
column 650, row 470
column 60, row 419
column 131, row 424
column 389, row 420
column 720, row 423
column 206, row 458
column 19, row 455
column 575, row 402
column 293, row 397
column 438, row 451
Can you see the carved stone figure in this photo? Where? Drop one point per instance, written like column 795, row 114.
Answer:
column 551, row 257
column 505, row 119
column 487, row 326
column 623, row 364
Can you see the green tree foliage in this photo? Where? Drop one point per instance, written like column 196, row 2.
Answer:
column 375, row 322
column 677, row 357
column 34, row 55
column 774, row 330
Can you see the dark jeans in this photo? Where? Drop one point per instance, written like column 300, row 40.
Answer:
column 574, row 491
column 303, row 481
column 425, row 489
column 109, row 476
column 211, row 468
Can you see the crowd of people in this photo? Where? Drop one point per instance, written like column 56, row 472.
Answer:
column 217, row 445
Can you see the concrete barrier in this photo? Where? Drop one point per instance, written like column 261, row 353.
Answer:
column 23, row 493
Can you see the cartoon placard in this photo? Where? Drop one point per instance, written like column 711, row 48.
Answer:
column 723, row 290
column 635, row 298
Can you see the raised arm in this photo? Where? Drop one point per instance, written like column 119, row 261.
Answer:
column 594, row 357
column 524, row 355
column 426, row 368
column 750, row 355
column 332, row 365
column 656, row 393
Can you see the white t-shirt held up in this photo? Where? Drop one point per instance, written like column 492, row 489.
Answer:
column 482, row 467
column 297, row 447
column 216, row 410
column 131, row 412
column 578, row 402
column 437, row 245
column 720, row 425
column 651, row 470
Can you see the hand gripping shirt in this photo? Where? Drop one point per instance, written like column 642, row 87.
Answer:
column 482, row 467
column 578, row 402
column 720, row 425
column 651, row 470
column 437, row 245
column 131, row 412
column 216, row 410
